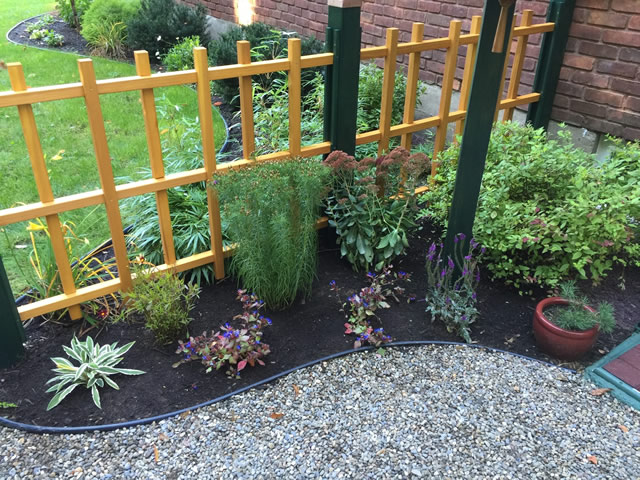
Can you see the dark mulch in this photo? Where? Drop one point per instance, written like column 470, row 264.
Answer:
column 308, row 330
column 73, row 41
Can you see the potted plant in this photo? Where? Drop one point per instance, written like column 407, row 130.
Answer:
column 566, row 327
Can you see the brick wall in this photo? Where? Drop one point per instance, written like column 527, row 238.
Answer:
column 599, row 86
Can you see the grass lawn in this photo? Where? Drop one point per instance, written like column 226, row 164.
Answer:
column 66, row 139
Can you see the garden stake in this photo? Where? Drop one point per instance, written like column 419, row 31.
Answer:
column 11, row 331
column 477, row 130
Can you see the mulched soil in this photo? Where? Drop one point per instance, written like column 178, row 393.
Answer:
column 310, row 329
column 73, row 41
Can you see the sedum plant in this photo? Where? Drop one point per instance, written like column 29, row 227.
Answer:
column 96, row 364
column 575, row 317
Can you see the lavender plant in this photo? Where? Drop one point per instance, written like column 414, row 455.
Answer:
column 363, row 305
column 233, row 346
column 451, row 296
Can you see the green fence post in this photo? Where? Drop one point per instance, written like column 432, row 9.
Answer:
column 483, row 99
column 11, row 332
column 341, row 82
column 552, row 49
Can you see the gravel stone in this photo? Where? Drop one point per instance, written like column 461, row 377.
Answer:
column 418, row 412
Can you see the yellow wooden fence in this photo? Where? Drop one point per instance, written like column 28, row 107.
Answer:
column 110, row 194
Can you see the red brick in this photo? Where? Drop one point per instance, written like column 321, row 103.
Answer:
column 588, row 108
column 580, row 15
column 630, row 55
column 412, row 4
column 631, row 39
column 600, row 4
column 633, row 104
column 626, row 118
column 630, row 134
column 627, row 6
column 454, row 11
column 572, row 45
column 561, row 101
column 634, row 23
column 598, row 50
column 608, row 19
column 566, row 73
column 431, row 6
column 587, row 78
column 619, row 69
column 585, row 31
column 625, row 86
column 562, row 115
column 578, row 61
column 599, row 125
column 604, row 97
column 472, row 3
column 439, row 20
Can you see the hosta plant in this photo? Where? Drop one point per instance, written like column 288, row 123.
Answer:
column 233, row 346
column 96, row 364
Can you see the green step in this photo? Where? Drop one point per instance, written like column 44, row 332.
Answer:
column 619, row 388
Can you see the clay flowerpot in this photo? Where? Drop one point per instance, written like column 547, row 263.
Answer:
column 558, row 342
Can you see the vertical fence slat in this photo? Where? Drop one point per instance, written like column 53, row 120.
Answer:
column 467, row 77
column 209, row 153
column 417, row 34
column 295, row 94
column 149, row 113
column 505, row 67
column 386, row 104
column 246, row 102
column 43, row 185
column 518, row 62
column 447, row 89
column 103, row 158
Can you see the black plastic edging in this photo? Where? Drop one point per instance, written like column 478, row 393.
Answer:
column 133, row 423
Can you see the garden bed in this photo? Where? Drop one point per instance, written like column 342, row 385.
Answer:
column 308, row 330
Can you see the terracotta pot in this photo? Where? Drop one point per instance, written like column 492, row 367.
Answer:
column 558, row 342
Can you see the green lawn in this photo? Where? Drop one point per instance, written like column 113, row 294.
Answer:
column 65, row 137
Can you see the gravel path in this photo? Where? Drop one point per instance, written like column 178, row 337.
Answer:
column 432, row 412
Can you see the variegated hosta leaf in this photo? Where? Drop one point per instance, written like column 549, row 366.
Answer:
column 58, row 397
column 96, row 396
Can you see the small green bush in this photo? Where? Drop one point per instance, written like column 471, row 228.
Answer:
column 267, row 43
column 104, row 24
column 180, row 57
column 164, row 301
column 160, row 24
column 575, row 317
column 65, row 10
column 548, row 211
column 272, row 210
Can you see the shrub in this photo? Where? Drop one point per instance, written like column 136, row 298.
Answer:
column 160, row 24
column 164, row 301
column 66, row 8
column 369, row 103
column 267, row 43
column 575, row 317
column 451, row 297
column 97, row 363
column 49, row 37
column 547, row 211
column 104, row 25
column 180, row 56
column 240, row 344
column 271, row 210
column 371, row 219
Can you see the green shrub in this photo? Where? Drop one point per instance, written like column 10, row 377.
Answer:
column 160, row 24
column 575, row 317
column 164, row 301
column 104, row 25
column 267, row 43
column 547, row 211
column 66, row 11
column 180, row 57
column 371, row 219
column 41, row 24
column 369, row 102
column 272, row 209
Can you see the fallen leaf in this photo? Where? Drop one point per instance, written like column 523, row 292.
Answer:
column 164, row 131
column 185, row 414
column 623, row 428
column 276, row 416
column 58, row 156
column 296, row 388
column 156, row 453
column 593, row 459
column 380, row 452
column 163, row 437
column 516, row 388
column 217, row 104
column 599, row 391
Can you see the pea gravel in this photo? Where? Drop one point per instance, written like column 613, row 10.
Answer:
column 421, row 412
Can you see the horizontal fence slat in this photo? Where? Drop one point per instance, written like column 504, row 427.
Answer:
column 533, row 29
column 59, row 205
column 41, row 94
column 157, row 80
column 521, row 100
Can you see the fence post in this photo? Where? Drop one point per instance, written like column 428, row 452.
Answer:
column 483, row 98
column 552, row 49
column 11, row 332
column 341, row 82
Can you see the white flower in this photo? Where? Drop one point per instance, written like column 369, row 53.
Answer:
column 159, row 38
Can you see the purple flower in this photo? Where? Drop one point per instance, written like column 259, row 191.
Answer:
column 430, row 257
column 332, row 283
column 474, row 296
column 462, row 236
column 468, row 257
column 482, row 250
column 463, row 318
column 432, row 248
column 443, row 272
column 465, row 271
column 455, row 239
column 451, row 264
